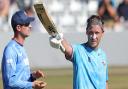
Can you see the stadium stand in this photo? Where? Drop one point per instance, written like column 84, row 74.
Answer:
column 68, row 15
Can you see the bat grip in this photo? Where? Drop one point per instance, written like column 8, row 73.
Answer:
column 62, row 48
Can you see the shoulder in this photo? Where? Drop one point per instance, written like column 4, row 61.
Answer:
column 79, row 52
column 78, row 46
column 79, row 49
column 10, row 47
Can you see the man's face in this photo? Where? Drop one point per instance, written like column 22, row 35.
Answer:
column 94, row 34
column 24, row 30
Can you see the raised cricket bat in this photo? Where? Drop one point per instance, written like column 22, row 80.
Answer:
column 45, row 19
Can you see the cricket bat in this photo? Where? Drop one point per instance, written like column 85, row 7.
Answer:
column 45, row 19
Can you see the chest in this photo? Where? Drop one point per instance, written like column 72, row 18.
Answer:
column 92, row 62
column 22, row 58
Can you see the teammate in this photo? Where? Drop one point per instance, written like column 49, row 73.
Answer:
column 90, row 69
column 15, row 65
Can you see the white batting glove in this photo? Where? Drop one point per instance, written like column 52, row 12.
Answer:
column 55, row 41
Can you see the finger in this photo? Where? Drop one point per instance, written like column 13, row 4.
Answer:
column 40, row 73
column 43, row 84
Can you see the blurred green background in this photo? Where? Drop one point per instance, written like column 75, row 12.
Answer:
column 62, row 78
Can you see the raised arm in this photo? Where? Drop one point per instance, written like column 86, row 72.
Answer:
column 111, row 9
column 68, row 49
column 101, row 10
column 59, row 42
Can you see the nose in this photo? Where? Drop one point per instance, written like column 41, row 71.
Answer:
column 30, row 26
column 93, row 36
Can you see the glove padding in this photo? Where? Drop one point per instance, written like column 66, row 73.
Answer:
column 55, row 40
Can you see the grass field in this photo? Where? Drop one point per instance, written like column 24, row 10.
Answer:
column 62, row 78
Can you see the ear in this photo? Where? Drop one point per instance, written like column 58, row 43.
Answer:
column 18, row 28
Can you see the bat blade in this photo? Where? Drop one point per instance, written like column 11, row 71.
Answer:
column 45, row 19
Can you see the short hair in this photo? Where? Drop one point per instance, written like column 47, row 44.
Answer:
column 95, row 20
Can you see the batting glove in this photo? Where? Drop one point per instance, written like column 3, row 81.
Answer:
column 55, row 41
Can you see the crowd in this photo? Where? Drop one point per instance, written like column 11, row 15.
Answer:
column 9, row 7
column 114, row 14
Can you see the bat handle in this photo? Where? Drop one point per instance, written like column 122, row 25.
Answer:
column 62, row 48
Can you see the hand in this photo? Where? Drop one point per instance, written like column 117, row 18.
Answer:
column 38, row 74
column 55, row 41
column 106, row 1
column 39, row 84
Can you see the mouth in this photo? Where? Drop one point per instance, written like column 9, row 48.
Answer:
column 94, row 41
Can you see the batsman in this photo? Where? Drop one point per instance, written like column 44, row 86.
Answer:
column 90, row 68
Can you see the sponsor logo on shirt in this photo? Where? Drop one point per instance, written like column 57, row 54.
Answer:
column 20, row 54
column 9, row 61
column 103, row 62
column 26, row 62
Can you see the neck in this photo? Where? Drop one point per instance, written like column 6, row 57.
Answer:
column 19, row 39
column 93, row 48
